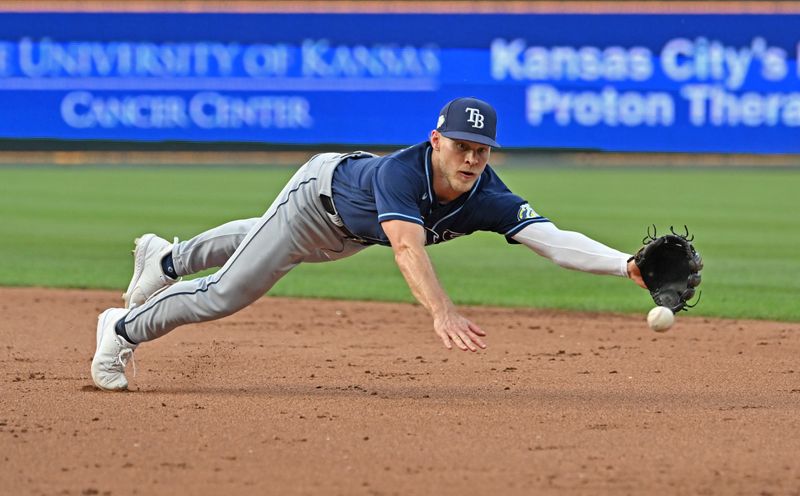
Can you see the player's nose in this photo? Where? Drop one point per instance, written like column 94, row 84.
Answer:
column 470, row 158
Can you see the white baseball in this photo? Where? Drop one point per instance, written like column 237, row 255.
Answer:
column 660, row 319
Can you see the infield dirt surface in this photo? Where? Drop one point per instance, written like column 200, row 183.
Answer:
column 331, row 397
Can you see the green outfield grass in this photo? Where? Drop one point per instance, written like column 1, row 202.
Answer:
column 74, row 226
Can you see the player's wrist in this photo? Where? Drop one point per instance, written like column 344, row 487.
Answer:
column 628, row 267
column 442, row 310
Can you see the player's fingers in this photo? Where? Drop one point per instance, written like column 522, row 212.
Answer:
column 476, row 329
column 446, row 340
column 466, row 340
column 476, row 339
column 458, row 341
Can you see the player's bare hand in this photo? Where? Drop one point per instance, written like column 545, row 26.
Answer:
column 453, row 328
column 635, row 274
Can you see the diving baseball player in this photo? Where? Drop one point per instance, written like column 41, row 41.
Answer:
column 335, row 206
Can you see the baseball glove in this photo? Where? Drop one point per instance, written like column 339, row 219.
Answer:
column 670, row 268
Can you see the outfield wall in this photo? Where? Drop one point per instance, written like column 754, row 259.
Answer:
column 643, row 82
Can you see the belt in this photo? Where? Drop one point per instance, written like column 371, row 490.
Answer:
column 330, row 208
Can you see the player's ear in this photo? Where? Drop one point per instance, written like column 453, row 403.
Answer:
column 435, row 139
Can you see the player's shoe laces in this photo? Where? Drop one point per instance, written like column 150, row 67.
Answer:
column 112, row 353
column 148, row 276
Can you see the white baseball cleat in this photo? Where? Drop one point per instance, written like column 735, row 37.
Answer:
column 148, row 277
column 112, row 353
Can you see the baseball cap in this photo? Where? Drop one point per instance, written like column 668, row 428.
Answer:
column 469, row 119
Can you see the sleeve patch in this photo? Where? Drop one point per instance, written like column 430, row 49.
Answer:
column 526, row 212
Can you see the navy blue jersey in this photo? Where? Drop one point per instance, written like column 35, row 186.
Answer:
column 371, row 190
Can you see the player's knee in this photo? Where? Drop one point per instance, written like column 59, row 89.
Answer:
column 228, row 299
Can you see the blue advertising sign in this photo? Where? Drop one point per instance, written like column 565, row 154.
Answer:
column 632, row 82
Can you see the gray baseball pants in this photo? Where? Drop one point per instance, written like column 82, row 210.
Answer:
column 253, row 253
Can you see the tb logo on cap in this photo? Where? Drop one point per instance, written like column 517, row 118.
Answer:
column 475, row 117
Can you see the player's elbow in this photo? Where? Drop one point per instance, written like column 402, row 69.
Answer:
column 405, row 237
column 402, row 249
column 408, row 253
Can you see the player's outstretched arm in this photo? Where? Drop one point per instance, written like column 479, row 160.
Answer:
column 577, row 251
column 408, row 243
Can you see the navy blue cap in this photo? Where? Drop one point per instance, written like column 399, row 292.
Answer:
column 469, row 119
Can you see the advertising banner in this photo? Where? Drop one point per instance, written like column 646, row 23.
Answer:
column 638, row 82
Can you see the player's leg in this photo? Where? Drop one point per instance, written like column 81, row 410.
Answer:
column 212, row 248
column 294, row 229
column 205, row 251
column 159, row 263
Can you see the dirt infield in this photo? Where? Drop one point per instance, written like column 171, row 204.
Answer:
column 330, row 397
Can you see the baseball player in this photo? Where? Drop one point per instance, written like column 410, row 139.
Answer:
column 335, row 206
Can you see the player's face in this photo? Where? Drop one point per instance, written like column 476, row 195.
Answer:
column 457, row 164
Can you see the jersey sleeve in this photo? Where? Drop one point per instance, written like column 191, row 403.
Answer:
column 398, row 193
column 510, row 214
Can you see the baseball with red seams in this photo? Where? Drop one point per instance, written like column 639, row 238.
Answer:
column 660, row 319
